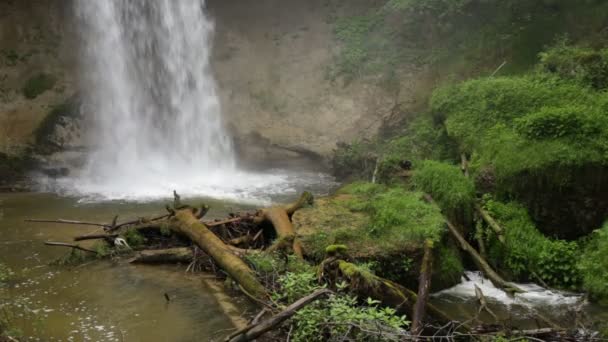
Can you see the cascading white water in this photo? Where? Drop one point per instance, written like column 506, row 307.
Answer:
column 157, row 119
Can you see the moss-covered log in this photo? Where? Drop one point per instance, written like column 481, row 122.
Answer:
column 186, row 223
column 159, row 256
column 365, row 284
column 279, row 217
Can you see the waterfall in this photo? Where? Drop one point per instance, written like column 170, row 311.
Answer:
column 149, row 85
column 156, row 119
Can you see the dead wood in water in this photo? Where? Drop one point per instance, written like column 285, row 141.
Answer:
column 186, row 223
column 62, row 221
column 71, row 245
column 95, row 237
column 481, row 263
column 424, row 286
column 169, row 255
column 254, row 331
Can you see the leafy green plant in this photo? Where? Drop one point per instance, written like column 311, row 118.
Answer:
column 340, row 318
column 294, row 286
column 38, row 84
column 134, row 238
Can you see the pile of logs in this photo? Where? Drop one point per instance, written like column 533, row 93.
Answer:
column 225, row 243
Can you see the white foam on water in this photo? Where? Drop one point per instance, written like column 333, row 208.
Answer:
column 534, row 295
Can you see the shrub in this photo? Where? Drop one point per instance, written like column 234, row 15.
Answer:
column 340, row 318
column 37, row 85
column 593, row 265
column 585, row 65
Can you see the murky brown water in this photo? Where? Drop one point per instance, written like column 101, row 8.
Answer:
column 101, row 301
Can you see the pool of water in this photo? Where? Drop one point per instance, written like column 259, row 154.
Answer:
column 101, row 301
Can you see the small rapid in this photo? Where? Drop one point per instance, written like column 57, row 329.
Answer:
column 521, row 310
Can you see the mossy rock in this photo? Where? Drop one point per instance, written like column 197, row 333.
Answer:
column 377, row 226
column 38, row 84
column 58, row 115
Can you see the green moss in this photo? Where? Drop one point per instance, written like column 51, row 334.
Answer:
column 264, row 262
column 375, row 222
column 454, row 192
column 333, row 250
column 527, row 253
column 593, row 265
column 38, row 84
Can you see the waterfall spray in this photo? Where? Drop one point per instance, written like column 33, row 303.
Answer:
column 157, row 123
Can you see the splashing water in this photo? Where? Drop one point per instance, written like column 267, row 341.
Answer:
column 534, row 295
column 157, row 117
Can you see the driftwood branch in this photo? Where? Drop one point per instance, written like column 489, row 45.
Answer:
column 82, row 223
column 71, row 245
column 255, row 331
column 95, row 237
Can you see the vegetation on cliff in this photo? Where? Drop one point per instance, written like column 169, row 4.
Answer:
column 527, row 149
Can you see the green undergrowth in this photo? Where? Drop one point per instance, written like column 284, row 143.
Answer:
column 38, row 84
column 419, row 140
column 534, row 138
column 528, row 254
column 593, row 265
column 341, row 316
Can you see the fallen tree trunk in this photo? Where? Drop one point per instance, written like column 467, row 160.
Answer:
column 491, row 222
column 256, row 330
column 365, row 284
column 186, row 223
column 424, row 286
column 158, row 256
column 481, row 263
column 279, row 217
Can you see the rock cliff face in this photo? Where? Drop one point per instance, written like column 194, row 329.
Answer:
column 270, row 57
column 37, row 68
